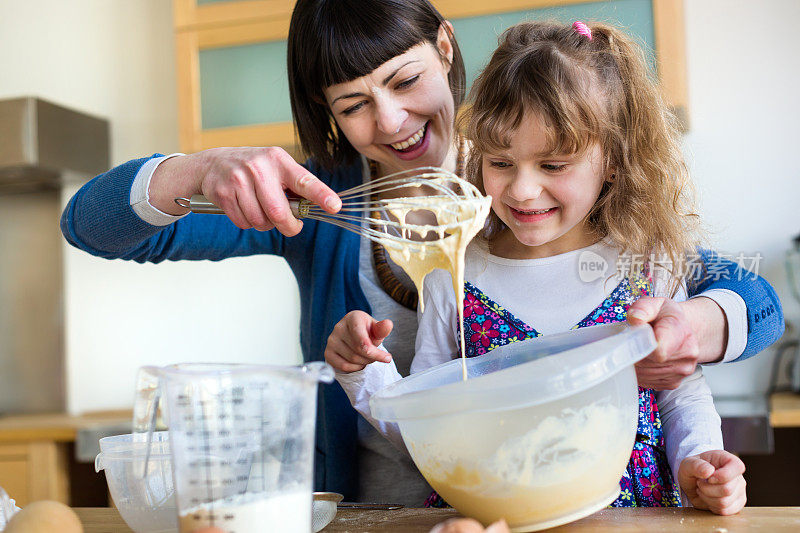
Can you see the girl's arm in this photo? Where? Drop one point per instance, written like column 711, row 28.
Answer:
column 363, row 366
column 360, row 386
column 436, row 343
column 708, row 476
column 689, row 420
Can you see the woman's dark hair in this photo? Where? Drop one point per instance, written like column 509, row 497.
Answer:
column 335, row 41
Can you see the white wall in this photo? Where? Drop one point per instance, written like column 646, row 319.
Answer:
column 115, row 58
column 743, row 81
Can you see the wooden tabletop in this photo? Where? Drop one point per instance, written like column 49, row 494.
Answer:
column 751, row 519
column 784, row 410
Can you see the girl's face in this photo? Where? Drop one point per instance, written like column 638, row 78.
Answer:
column 401, row 113
column 542, row 198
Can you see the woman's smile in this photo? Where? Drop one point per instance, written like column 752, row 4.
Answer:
column 413, row 147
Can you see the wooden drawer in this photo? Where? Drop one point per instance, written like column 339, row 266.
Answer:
column 34, row 471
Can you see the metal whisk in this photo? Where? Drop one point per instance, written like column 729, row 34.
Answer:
column 362, row 205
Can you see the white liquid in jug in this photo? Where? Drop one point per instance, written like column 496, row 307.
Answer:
column 252, row 513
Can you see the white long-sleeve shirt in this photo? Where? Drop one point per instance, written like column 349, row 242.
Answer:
column 551, row 295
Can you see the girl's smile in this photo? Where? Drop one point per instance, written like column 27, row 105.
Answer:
column 543, row 198
column 536, row 215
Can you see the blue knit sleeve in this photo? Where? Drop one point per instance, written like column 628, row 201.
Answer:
column 764, row 312
column 99, row 220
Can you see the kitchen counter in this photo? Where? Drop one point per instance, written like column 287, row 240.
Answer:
column 55, row 427
column 767, row 519
column 784, row 410
column 34, row 460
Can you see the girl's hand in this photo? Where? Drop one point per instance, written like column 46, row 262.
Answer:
column 355, row 340
column 713, row 481
column 249, row 184
column 676, row 355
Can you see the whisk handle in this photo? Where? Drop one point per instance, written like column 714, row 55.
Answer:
column 200, row 204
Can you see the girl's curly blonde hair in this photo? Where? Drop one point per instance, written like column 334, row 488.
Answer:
column 589, row 91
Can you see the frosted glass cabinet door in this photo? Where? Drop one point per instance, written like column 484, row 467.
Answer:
column 232, row 58
column 244, row 85
column 477, row 36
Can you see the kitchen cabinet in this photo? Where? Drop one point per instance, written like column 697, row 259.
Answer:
column 34, row 460
column 231, row 57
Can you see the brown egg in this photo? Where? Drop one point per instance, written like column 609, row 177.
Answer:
column 45, row 517
column 458, row 525
column 498, row 527
column 468, row 525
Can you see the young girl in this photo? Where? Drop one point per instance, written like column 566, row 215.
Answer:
column 581, row 156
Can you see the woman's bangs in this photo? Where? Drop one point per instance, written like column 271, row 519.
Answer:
column 354, row 46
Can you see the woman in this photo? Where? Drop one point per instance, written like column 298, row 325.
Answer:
column 390, row 75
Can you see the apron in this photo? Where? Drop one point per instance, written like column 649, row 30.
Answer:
column 647, row 480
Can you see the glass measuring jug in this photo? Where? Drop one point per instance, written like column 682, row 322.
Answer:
column 241, row 440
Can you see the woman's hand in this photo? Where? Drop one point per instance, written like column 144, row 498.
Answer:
column 249, row 184
column 687, row 333
column 714, row 481
column 355, row 340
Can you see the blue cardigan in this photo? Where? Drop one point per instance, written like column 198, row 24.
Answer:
column 324, row 260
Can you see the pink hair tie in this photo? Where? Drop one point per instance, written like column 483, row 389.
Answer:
column 582, row 28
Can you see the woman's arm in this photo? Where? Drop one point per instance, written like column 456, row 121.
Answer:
column 100, row 220
column 129, row 212
column 249, row 184
column 698, row 330
column 764, row 317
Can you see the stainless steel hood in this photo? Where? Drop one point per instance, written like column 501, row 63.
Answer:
column 40, row 143
column 40, row 140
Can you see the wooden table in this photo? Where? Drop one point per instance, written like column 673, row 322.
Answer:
column 751, row 519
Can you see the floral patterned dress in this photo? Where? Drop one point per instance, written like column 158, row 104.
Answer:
column 647, row 480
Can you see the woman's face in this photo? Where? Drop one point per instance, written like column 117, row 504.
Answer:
column 401, row 113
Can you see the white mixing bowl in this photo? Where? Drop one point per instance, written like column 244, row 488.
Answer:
column 539, row 434
column 147, row 504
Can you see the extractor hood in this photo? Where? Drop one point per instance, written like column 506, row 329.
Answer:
column 40, row 140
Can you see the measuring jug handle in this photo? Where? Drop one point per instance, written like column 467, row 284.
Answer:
column 318, row 371
column 145, row 412
column 147, row 400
